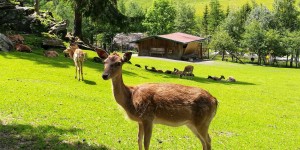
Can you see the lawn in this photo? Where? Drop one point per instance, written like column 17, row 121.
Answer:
column 42, row 106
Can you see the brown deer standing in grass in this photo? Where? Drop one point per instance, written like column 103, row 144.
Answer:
column 78, row 56
column 188, row 71
column 163, row 103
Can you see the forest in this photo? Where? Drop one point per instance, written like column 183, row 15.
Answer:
column 263, row 29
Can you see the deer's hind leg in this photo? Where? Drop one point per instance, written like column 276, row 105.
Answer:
column 202, row 139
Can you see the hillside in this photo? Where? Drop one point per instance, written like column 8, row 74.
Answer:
column 200, row 4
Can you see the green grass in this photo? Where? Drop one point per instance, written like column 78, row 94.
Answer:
column 42, row 106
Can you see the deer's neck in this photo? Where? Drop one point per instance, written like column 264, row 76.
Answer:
column 122, row 93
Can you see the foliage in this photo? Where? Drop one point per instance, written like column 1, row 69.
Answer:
column 135, row 15
column 205, row 21
column 273, row 43
column 160, row 18
column 291, row 42
column 263, row 15
column 286, row 14
column 216, row 15
column 254, row 39
column 185, row 19
column 221, row 41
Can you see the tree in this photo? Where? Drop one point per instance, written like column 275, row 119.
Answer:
column 216, row 15
column 185, row 18
column 222, row 42
column 263, row 15
column 135, row 15
column 253, row 39
column 109, row 13
column 36, row 6
column 205, row 20
column 121, row 6
column 273, row 43
column 160, row 18
column 286, row 15
column 291, row 43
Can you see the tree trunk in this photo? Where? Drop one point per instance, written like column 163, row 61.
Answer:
column 297, row 59
column 292, row 60
column 36, row 6
column 77, row 21
column 259, row 58
column 223, row 55
column 287, row 59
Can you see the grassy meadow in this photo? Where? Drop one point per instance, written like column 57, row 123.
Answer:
column 42, row 106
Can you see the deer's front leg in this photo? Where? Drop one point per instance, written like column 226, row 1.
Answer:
column 148, row 133
column 140, row 136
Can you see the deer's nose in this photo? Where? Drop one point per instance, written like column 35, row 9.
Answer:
column 105, row 76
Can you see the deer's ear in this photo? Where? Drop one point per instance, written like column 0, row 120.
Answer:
column 102, row 53
column 126, row 57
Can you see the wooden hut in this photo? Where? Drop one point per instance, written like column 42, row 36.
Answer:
column 174, row 46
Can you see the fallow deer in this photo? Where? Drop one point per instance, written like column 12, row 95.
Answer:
column 188, row 71
column 216, row 78
column 78, row 57
column 23, row 48
column 231, row 79
column 163, row 103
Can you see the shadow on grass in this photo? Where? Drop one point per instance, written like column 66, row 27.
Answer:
column 60, row 62
column 205, row 80
column 19, row 136
column 89, row 82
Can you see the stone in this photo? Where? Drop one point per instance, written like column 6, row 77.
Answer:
column 5, row 4
column 53, row 43
column 6, row 44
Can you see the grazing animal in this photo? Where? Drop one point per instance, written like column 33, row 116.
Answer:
column 231, row 79
column 101, row 53
column 23, row 48
column 216, row 78
column 176, row 71
column 138, row 65
column 160, row 71
column 71, row 49
column 97, row 59
column 51, row 53
column 78, row 57
column 16, row 38
column 163, row 103
column 188, row 71
column 168, row 72
column 152, row 69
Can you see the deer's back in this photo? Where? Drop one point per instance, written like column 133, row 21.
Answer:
column 172, row 103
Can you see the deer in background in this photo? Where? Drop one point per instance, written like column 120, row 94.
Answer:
column 78, row 56
column 188, row 71
column 163, row 103
column 216, row 78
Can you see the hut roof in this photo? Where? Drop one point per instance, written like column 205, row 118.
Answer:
column 177, row 37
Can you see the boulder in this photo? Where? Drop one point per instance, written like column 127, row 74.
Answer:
column 53, row 43
column 59, row 29
column 5, row 4
column 5, row 43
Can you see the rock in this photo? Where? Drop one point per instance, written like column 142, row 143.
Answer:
column 5, row 4
column 5, row 43
column 53, row 43
column 59, row 29
column 23, row 19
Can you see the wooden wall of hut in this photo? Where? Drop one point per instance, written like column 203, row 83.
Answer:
column 173, row 49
